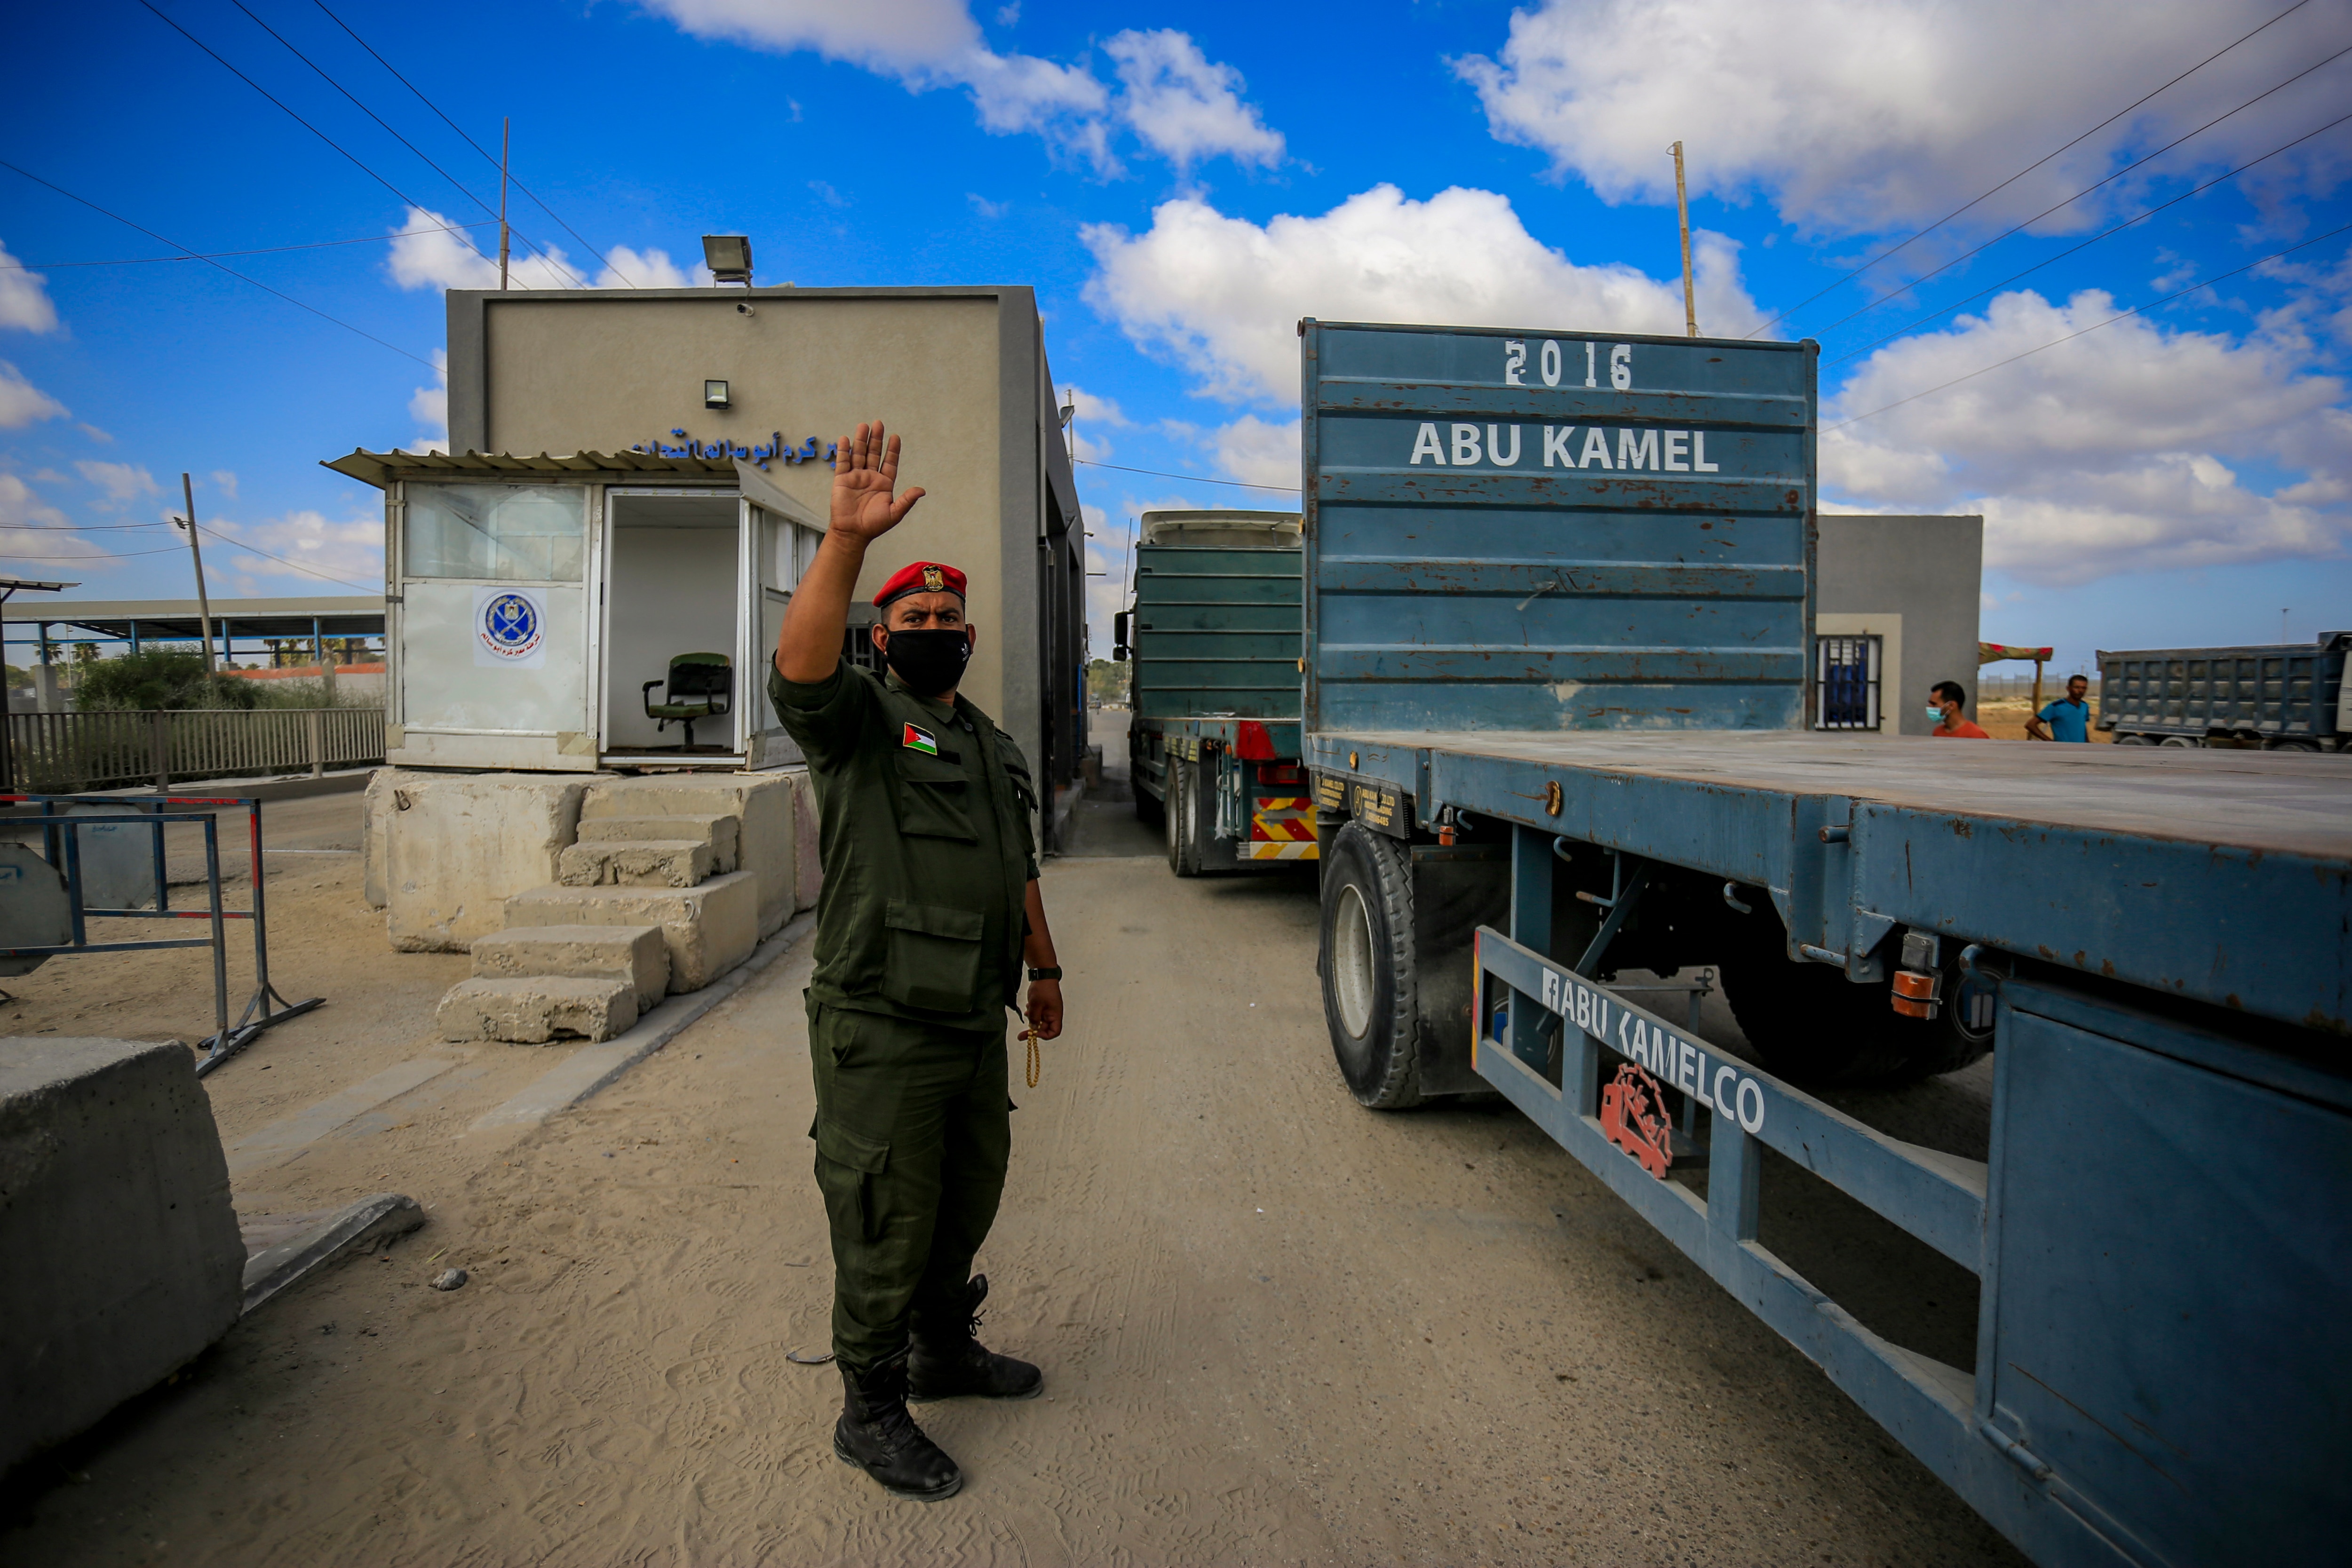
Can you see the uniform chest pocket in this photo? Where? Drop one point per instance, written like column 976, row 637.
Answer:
column 933, row 797
column 933, row 960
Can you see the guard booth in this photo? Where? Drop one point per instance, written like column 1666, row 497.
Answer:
column 585, row 612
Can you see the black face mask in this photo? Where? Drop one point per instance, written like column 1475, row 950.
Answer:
column 930, row 662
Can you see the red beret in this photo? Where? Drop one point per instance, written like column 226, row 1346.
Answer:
column 922, row 578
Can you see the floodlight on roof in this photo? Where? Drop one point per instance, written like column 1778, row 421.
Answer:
column 729, row 257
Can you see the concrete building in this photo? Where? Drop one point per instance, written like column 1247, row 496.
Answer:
column 640, row 475
column 1896, row 611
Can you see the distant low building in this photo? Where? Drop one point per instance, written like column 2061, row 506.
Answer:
column 1895, row 611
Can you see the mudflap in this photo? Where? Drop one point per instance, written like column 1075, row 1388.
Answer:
column 1455, row 890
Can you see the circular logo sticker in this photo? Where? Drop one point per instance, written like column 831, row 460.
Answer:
column 510, row 626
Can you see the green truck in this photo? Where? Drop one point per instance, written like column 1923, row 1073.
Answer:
column 1215, row 637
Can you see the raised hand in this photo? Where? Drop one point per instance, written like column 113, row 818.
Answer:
column 865, row 472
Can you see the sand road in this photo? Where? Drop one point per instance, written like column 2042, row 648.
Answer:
column 1275, row 1327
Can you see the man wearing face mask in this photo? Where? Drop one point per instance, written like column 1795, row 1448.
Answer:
column 931, row 909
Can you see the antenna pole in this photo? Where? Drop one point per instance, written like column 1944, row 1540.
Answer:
column 506, row 142
column 1682, row 208
column 196, row 554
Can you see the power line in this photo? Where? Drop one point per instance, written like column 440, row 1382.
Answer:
column 371, row 173
column 2086, row 190
column 2094, row 130
column 71, row 527
column 208, row 261
column 462, row 188
column 1947, row 310
column 1189, row 478
column 2111, row 320
column 91, row 555
column 297, row 566
column 477, row 147
column 265, row 250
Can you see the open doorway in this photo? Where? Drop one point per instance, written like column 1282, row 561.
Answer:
column 673, row 603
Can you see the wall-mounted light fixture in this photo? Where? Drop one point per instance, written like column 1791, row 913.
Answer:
column 714, row 395
column 729, row 257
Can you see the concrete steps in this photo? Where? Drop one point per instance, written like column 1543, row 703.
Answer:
column 709, row 929
column 535, row 1009
column 643, row 863
column 652, row 895
column 635, row 953
column 721, row 831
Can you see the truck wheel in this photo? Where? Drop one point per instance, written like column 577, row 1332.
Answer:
column 1181, row 808
column 1809, row 1024
column 1368, row 969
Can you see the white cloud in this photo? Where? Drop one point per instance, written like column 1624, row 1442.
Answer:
column 351, row 551
column 225, row 481
column 1865, row 115
column 1224, row 295
column 430, row 408
column 986, row 208
column 1255, row 452
column 2127, row 449
column 1177, row 102
column 22, row 402
column 121, row 482
column 651, row 268
column 433, row 253
column 24, row 298
column 926, row 43
column 1184, row 105
column 37, row 534
column 94, row 433
column 1095, row 409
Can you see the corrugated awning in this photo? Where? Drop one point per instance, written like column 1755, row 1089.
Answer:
column 380, row 468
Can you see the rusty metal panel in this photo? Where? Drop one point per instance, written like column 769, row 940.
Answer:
column 1552, row 531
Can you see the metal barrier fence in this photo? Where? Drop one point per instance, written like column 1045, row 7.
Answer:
column 68, row 753
column 50, row 890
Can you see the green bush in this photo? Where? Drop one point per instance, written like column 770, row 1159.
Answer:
column 169, row 676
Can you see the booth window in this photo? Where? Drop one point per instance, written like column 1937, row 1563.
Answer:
column 1846, row 670
column 506, row 533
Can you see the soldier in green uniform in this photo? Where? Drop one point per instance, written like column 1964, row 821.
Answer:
column 930, row 911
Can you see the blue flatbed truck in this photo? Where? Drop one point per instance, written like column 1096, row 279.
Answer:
column 1558, row 597
column 1213, row 641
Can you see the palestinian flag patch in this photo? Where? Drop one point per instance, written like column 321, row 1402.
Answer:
column 917, row 740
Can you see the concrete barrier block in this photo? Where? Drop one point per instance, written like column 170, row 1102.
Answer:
column 709, row 929
column 635, row 953
column 644, row 863
column 760, row 801
column 721, row 834
column 375, row 837
column 808, row 868
column 121, row 1248
column 457, row 846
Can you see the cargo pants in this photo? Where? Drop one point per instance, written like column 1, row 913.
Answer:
column 913, row 1134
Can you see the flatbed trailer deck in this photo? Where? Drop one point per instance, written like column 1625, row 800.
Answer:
column 2218, row 877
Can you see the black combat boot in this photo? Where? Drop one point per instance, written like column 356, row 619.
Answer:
column 877, row 1436
column 948, row 1362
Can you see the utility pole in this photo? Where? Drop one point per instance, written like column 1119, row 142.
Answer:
column 1682, row 208
column 195, row 554
column 2283, row 614
column 506, row 142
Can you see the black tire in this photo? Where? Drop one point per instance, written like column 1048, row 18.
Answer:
column 1368, row 969
column 1811, row 1024
column 2133, row 738
column 1183, row 829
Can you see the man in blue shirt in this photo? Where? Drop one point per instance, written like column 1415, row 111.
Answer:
column 2068, row 718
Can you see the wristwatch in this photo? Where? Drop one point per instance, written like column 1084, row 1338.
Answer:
column 1052, row 974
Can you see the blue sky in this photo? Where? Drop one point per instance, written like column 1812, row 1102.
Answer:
column 1179, row 183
